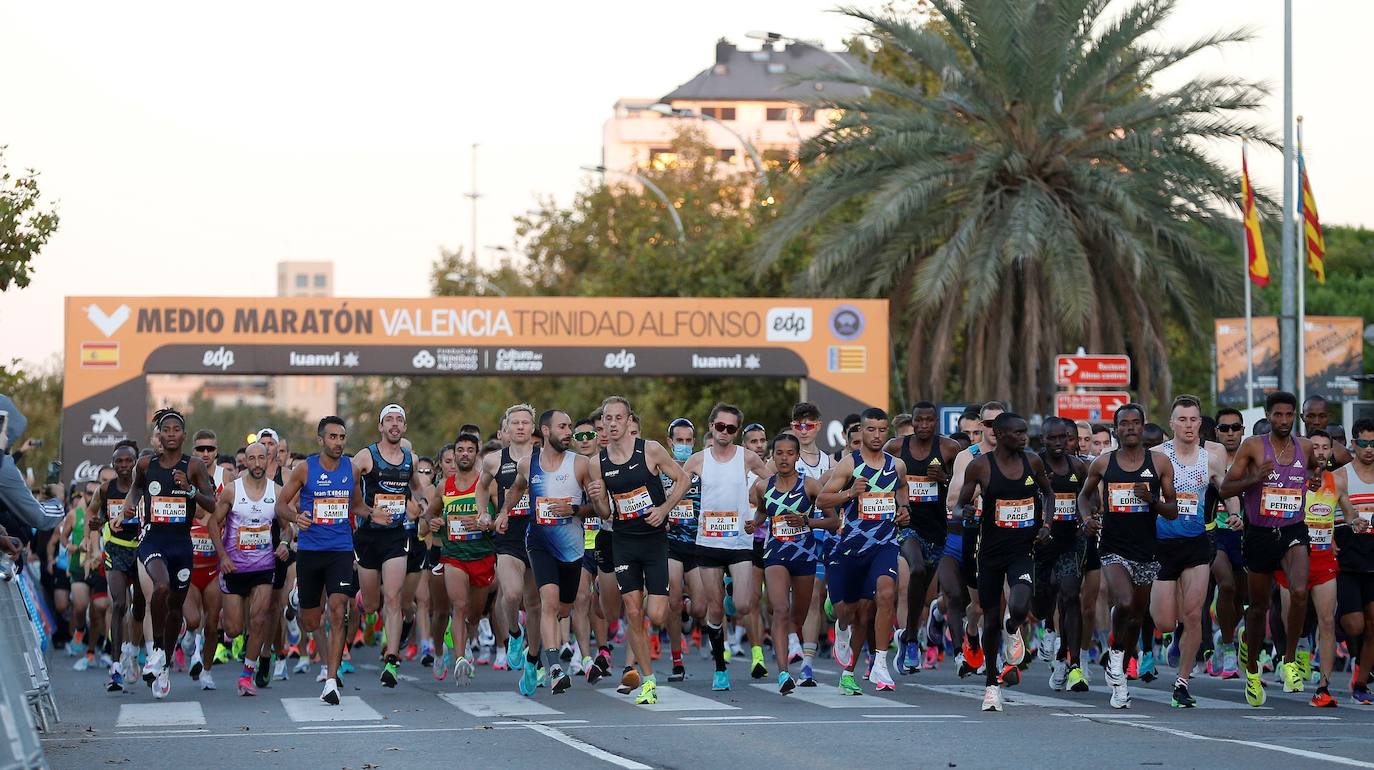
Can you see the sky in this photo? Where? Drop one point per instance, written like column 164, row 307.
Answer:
column 189, row 147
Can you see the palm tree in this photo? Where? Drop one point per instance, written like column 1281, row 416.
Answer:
column 1040, row 193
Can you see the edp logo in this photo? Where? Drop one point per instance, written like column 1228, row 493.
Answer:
column 221, row 359
column 788, row 324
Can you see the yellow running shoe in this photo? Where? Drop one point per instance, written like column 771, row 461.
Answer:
column 1254, row 690
column 648, row 694
column 1292, row 677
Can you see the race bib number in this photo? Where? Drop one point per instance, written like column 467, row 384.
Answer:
column 1188, row 504
column 460, row 527
column 1016, row 514
column 257, row 538
column 784, row 532
column 920, row 489
column 521, row 508
column 1320, row 528
column 1280, row 502
column 202, row 545
column 1121, row 498
column 1065, row 506
column 720, row 523
column 634, row 504
column 330, row 510
column 546, row 516
column 1366, row 512
column 394, row 505
column 683, row 513
column 114, row 511
column 169, row 510
column 877, row 506
column 591, row 524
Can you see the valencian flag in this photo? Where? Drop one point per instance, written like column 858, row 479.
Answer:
column 1313, row 243
column 1254, row 241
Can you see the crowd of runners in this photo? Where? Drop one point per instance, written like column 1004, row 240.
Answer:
column 565, row 547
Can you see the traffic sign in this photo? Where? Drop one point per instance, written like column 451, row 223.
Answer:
column 1093, row 407
column 949, row 418
column 1106, row 371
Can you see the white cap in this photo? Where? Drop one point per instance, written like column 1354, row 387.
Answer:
column 391, row 409
column 267, row 432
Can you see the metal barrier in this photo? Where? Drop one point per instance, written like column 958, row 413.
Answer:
column 26, row 700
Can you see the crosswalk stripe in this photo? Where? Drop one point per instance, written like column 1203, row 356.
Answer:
column 1012, row 697
column 827, row 697
column 673, row 699
column 1160, row 696
column 164, row 714
column 497, row 704
column 351, row 708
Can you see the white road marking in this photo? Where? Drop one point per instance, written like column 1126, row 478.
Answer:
column 827, row 697
column 1292, row 719
column 1160, row 696
column 164, row 714
column 523, row 722
column 587, row 748
column 1012, row 697
column 731, row 718
column 1106, row 715
column 673, row 699
column 497, row 704
column 162, row 732
column 1304, row 753
column 351, row 708
column 914, row 716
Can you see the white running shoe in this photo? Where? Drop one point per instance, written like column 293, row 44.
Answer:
column 1059, row 675
column 1013, row 648
column 331, row 692
column 157, row 660
column 992, row 698
column 162, row 684
column 282, row 672
column 794, row 648
column 878, row 675
column 82, row 663
column 578, row 665
column 501, row 664
column 1049, row 645
column 302, row 665
column 463, row 672
column 206, row 681
column 841, row 650
column 1121, row 697
column 1115, row 672
column 323, row 675
column 485, row 637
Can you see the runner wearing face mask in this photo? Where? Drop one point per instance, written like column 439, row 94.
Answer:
column 682, row 547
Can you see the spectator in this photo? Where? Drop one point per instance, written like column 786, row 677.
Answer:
column 18, row 506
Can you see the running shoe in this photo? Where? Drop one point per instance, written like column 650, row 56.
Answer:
column 1146, row 671
column 484, row 654
column 427, row 654
column 221, row 654
column 1171, row 653
column 648, row 694
column 515, row 652
column 82, row 663
column 1121, row 696
column 236, row 649
column 1362, row 696
column 331, row 692
column 973, row 659
column 655, row 647
column 1322, row 699
column 1013, row 648
column 463, row 671
column 720, row 682
column 932, row 658
column 992, row 698
column 162, row 683
column 302, row 665
column 1292, row 677
column 561, row 680
column 1230, row 663
column 207, row 682
column 1059, row 675
column 116, row 683
column 879, row 675
column 1254, row 690
column 1181, row 699
column 601, row 666
column 1078, row 681
column 529, row 681
column 389, row 672
column 263, row 677
column 964, row 669
column 197, row 666
column 794, row 650
column 841, row 651
column 629, row 680
column 808, row 677
column 1010, row 676
column 847, row 684
column 785, row 683
column 911, row 658
column 1048, row 646
column 1304, row 660
column 323, row 675
column 1116, row 677
column 179, row 655
column 246, row 686
column 282, row 670
column 441, row 669
column 679, row 673
column 502, row 663
column 758, row 669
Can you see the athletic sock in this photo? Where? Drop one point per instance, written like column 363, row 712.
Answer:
column 551, row 660
column 406, row 626
column 677, row 658
column 515, row 632
column 808, row 653
column 717, row 637
column 532, row 657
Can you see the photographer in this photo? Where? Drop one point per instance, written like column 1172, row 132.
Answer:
column 19, row 509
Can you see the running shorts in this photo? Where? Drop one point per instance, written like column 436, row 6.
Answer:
column 605, row 553
column 567, row 575
column 722, row 558
column 320, row 572
column 1177, row 554
column 1321, row 568
column 415, row 557
column 1265, row 547
column 121, row 558
column 1016, row 571
column 375, row 547
column 1141, row 573
column 174, row 550
column 641, row 563
column 852, row 576
column 684, row 553
column 202, row 577
column 243, row 583
column 1228, row 542
column 279, row 570
column 1354, row 592
column 481, row 572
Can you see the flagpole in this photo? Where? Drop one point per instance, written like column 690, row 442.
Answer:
column 1289, row 336
column 1300, row 257
column 1249, row 328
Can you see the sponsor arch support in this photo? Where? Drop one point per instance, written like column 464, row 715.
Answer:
column 838, row 348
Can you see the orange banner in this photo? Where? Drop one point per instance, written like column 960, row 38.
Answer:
column 1334, row 352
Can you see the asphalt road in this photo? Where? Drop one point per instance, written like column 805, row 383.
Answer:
column 932, row 720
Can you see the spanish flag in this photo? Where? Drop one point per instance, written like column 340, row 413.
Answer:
column 1314, row 244
column 1254, row 241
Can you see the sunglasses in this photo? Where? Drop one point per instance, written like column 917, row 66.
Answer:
column 1231, row 427
column 1364, row 443
column 425, row 471
column 207, row 449
column 584, row 435
column 805, row 425
column 722, row 427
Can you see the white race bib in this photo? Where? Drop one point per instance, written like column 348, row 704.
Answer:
column 169, row 510
column 330, row 510
column 394, row 505
column 633, row 504
column 720, row 524
column 258, row 538
column 784, row 532
column 1280, row 502
column 877, row 506
column 1016, row 514
column 1065, row 506
column 546, row 516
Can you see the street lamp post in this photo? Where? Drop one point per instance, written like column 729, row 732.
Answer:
column 680, row 112
column 655, row 189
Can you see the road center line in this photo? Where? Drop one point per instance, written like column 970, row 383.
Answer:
column 587, row 748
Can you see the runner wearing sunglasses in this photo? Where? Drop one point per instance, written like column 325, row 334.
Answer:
column 813, row 464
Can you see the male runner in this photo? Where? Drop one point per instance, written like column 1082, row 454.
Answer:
column 1355, row 554
column 121, row 533
column 1228, row 564
column 513, row 579
column 630, row 471
column 1059, row 561
column 959, row 568
column 1137, row 485
column 329, row 498
column 467, row 555
column 386, row 484
column 682, row 546
column 241, row 531
column 787, row 500
column 554, row 479
column 928, row 457
column 1271, row 474
column 1183, row 548
column 203, row 601
column 725, row 531
column 1323, row 497
column 585, row 618
column 1316, row 415
column 870, row 486
column 173, row 485
column 1018, row 510
column 813, row 464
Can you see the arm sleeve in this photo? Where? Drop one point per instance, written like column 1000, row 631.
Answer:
column 15, row 496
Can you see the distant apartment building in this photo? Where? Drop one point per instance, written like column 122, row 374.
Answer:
column 754, row 92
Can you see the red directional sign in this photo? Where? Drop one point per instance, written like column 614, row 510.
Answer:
column 1093, row 407
column 1106, row 371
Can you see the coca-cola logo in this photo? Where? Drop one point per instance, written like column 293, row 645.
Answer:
column 86, row 471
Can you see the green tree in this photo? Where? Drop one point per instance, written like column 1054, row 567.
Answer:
column 233, row 423
column 37, row 391
column 1042, row 198
column 25, row 225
